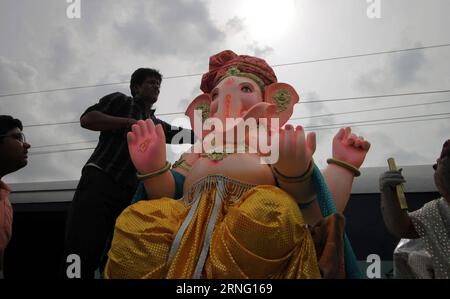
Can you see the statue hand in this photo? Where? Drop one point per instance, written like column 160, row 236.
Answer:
column 296, row 151
column 350, row 148
column 147, row 146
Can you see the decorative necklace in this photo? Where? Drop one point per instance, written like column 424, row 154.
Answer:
column 220, row 155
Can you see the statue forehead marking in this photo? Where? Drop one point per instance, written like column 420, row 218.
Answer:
column 229, row 81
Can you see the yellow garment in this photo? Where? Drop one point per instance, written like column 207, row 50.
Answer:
column 258, row 232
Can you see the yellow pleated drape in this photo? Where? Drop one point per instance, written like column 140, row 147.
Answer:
column 261, row 235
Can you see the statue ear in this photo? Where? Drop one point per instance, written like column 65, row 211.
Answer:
column 202, row 103
column 284, row 97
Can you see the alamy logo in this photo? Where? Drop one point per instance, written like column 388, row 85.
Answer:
column 248, row 136
column 374, row 9
column 374, row 269
column 73, row 11
column 74, row 269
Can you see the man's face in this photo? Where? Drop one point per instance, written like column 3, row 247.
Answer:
column 13, row 151
column 149, row 89
column 442, row 176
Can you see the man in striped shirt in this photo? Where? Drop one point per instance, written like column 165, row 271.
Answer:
column 108, row 179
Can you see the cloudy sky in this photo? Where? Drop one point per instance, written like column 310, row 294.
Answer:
column 42, row 49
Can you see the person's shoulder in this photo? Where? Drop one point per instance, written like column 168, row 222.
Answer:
column 432, row 203
column 118, row 94
column 429, row 208
column 157, row 121
column 116, row 97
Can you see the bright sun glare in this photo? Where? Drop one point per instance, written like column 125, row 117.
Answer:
column 268, row 18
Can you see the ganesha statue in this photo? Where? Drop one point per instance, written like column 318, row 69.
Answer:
column 245, row 203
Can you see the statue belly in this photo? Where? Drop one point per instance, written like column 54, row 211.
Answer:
column 242, row 167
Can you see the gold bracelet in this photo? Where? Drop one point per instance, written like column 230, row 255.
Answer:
column 295, row 179
column 154, row 173
column 345, row 165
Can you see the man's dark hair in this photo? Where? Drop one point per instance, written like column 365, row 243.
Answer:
column 8, row 123
column 139, row 76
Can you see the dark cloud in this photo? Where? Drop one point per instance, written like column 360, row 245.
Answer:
column 184, row 102
column 309, row 110
column 63, row 55
column 182, row 28
column 407, row 67
column 16, row 76
column 235, row 25
column 260, row 51
column 386, row 146
column 399, row 70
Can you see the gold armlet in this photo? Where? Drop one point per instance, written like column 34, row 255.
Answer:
column 296, row 179
column 183, row 164
column 150, row 175
column 345, row 165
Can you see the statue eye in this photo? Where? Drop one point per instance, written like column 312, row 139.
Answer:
column 247, row 89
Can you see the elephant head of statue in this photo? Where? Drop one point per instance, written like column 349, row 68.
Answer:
column 240, row 87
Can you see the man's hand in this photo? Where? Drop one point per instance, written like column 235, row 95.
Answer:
column 396, row 219
column 131, row 122
column 147, row 146
column 389, row 180
column 99, row 121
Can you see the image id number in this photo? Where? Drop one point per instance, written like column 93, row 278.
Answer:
column 238, row 288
